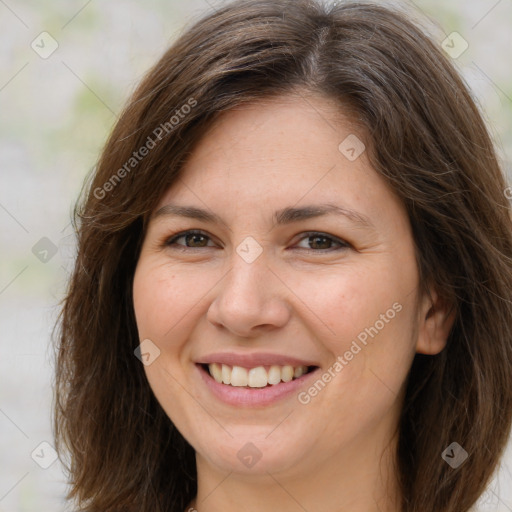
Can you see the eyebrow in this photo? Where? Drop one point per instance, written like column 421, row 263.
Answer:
column 281, row 217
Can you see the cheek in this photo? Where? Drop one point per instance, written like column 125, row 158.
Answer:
column 164, row 309
column 370, row 352
column 366, row 317
column 165, row 297
column 348, row 300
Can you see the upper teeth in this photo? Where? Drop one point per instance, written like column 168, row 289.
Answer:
column 257, row 377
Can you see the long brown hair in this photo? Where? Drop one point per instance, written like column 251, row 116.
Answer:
column 428, row 140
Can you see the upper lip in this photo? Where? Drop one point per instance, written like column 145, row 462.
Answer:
column 253, row 360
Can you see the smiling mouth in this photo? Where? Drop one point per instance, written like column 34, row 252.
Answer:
column 257, row 377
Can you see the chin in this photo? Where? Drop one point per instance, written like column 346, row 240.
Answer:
column 253, row 455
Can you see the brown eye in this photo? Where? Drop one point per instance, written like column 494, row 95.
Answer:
column 193, row 240
column 318, row 242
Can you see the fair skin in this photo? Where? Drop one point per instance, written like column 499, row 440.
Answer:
column 303, row 296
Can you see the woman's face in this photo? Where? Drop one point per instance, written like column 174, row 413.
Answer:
column 302, row 258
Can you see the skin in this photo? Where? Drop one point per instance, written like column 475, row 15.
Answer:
column 335, row 453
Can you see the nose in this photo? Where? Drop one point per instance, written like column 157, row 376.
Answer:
column 250, row 299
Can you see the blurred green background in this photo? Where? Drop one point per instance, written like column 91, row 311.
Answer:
column 56, row 112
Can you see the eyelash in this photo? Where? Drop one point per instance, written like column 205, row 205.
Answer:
column 171, row 242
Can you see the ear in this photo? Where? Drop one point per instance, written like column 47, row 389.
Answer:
column 436, row 318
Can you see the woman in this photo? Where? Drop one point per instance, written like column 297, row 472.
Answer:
column 293, row 287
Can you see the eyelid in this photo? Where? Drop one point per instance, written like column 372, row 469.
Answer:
column 343, row 244
column 169, row 240
column 308, row 234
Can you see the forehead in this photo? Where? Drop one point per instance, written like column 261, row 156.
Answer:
column 276, row 153
column 274, row 132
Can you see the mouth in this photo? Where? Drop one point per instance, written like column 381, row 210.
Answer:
column 257, row 386
column 256, row 377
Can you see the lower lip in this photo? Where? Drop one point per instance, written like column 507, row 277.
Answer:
column 253, row 397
